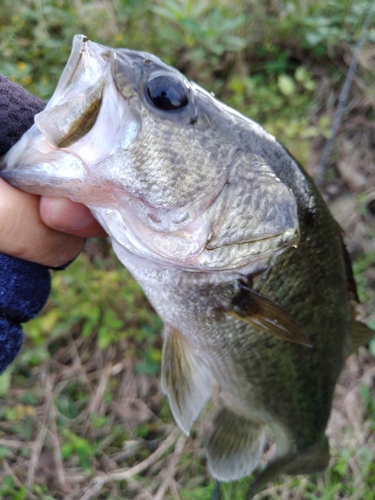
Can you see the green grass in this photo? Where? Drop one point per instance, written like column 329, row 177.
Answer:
column 82, row 414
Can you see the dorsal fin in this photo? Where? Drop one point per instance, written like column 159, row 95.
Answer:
column 361, row 333
column 352, row 286
column 185, row 378
column 266, row 315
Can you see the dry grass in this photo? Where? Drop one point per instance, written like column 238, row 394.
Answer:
column 144, row 468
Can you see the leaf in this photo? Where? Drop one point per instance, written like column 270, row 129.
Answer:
column 5, row 382
column 365, row 455
column 166, row 13
column 4, row 452
column 286, row 84
column 372, row 347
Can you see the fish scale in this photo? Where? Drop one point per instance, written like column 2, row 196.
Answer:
column 229, row 239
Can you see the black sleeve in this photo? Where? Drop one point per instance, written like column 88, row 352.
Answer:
column 24, row 286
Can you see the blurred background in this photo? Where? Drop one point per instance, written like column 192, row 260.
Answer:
column 82, row 414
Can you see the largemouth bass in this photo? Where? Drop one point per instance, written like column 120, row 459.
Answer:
column 228, row 237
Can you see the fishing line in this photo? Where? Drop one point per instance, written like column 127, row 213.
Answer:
column 321, row 168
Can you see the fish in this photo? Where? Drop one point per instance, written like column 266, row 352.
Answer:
column 229, row 239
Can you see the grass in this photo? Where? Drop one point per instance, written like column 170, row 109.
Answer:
column 82, row 414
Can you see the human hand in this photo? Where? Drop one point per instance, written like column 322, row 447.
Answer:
column 46, row 230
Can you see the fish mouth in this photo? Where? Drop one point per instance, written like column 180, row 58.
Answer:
column 74, row 107
column 58, row 155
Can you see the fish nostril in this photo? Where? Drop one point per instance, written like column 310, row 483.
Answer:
column 154, row 217
column 180, row 217
column 106, row 55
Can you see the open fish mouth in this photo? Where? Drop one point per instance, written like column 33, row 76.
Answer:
column 56, row 156
column 83, row 99
column 79, row 111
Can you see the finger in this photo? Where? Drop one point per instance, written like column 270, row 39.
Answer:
column 23, row 234
column 64, row 215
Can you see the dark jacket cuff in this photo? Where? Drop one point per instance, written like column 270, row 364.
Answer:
column 24, row 290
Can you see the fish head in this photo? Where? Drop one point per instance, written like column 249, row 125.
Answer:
column 167, row 169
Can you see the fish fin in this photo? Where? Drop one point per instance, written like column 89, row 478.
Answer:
column 313, row 459
column 351, row 284
column 267, row 315
column 361, row 334
column 185, row 378
column 235, row 446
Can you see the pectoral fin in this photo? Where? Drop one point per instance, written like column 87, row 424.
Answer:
column 361, row 334
column 185, row 378
column 268, row 316
column 234, row 447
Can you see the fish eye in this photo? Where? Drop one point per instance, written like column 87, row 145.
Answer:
column 168, row 93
